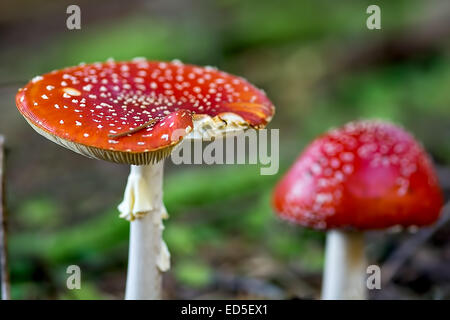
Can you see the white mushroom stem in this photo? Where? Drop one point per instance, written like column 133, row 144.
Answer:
column 345, row 266
column 148, row 254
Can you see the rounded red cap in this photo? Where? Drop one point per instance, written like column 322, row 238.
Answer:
column 365, row 175
column 135, row 112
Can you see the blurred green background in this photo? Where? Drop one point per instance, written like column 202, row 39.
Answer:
column 320, row 66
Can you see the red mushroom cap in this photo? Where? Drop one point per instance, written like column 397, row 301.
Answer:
column 366, row 175
column 134, row 112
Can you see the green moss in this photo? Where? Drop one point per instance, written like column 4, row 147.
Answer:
column 193, row 273
column 39, row 212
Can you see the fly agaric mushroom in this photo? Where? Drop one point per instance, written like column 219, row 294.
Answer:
column 135, row 113
column 366, row 175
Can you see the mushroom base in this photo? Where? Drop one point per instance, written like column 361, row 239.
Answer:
column 345, row 266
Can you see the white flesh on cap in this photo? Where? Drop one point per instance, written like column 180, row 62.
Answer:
column 345, row 266
column 148, row 254
column 207, row 127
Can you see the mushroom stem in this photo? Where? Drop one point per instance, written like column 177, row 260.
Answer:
column 345, row 266
column 148, row 254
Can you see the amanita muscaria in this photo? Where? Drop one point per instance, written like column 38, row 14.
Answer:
column 365, row 175
column 135, row 113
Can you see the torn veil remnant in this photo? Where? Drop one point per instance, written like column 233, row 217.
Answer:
column 135, row 112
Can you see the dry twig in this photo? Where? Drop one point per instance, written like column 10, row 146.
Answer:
column 406, row 250
column 5, row 285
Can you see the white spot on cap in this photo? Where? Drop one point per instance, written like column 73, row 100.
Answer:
column 72, row 91
column 36, row 79
column 347, row 169
column 87, row 87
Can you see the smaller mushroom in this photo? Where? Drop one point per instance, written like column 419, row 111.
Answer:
column 365, row 175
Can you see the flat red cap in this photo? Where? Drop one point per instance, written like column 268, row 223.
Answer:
column 365, row 175
column 134, row 112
